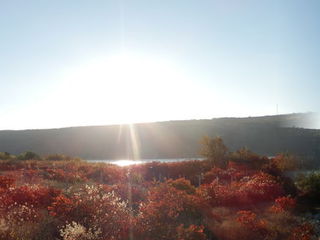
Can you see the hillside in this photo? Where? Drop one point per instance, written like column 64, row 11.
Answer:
column 173, row 139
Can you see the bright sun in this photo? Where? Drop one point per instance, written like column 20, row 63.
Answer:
column 123, row 89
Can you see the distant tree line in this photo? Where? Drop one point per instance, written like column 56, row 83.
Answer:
column 29, row 155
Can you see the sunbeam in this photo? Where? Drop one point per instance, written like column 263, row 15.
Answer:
column 135, row 142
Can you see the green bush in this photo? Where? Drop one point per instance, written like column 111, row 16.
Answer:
column 28, row 156
column 309, row 184
column 5, row 156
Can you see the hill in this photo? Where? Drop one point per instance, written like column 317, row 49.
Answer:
column 266, row 135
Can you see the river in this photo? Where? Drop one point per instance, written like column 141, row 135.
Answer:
column 127, row 162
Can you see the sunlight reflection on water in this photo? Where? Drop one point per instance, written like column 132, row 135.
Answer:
column 128, row 162
column 123, row 163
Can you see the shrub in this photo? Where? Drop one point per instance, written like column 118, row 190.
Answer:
column 250, row 190
column 283, row 204
column 5, row 156
column 91, row 206
column 285, row 162
column 75, row 230
column 165, row 210
column 302, row 232
column 183, row 185
column 214, row 150
column 310, row 185
column 249, row 220
column 6, row 182
column 29, row 156
column 245, row 157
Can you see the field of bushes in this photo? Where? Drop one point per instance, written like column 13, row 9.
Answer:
column 249, row 197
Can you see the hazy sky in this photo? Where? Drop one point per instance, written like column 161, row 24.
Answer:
column 68, row 63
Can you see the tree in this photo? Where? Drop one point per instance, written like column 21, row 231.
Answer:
column 215, row 151
column 29, row 156
column 286, row 161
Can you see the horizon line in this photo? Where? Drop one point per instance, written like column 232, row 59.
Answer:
column 160, row 121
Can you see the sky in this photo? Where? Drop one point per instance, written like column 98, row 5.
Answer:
column 75, row 63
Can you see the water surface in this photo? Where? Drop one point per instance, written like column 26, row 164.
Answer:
column 128, row 162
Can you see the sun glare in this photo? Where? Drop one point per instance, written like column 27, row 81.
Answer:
column 124, row 88
column 124, row 163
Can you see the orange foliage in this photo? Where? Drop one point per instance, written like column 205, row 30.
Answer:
column 250, row 220
column 165, row 210
column 283, row 204
column 255, row 189
column 6, row 182
column 155, row 201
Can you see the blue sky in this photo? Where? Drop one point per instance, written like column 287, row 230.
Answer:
column 70, row 63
